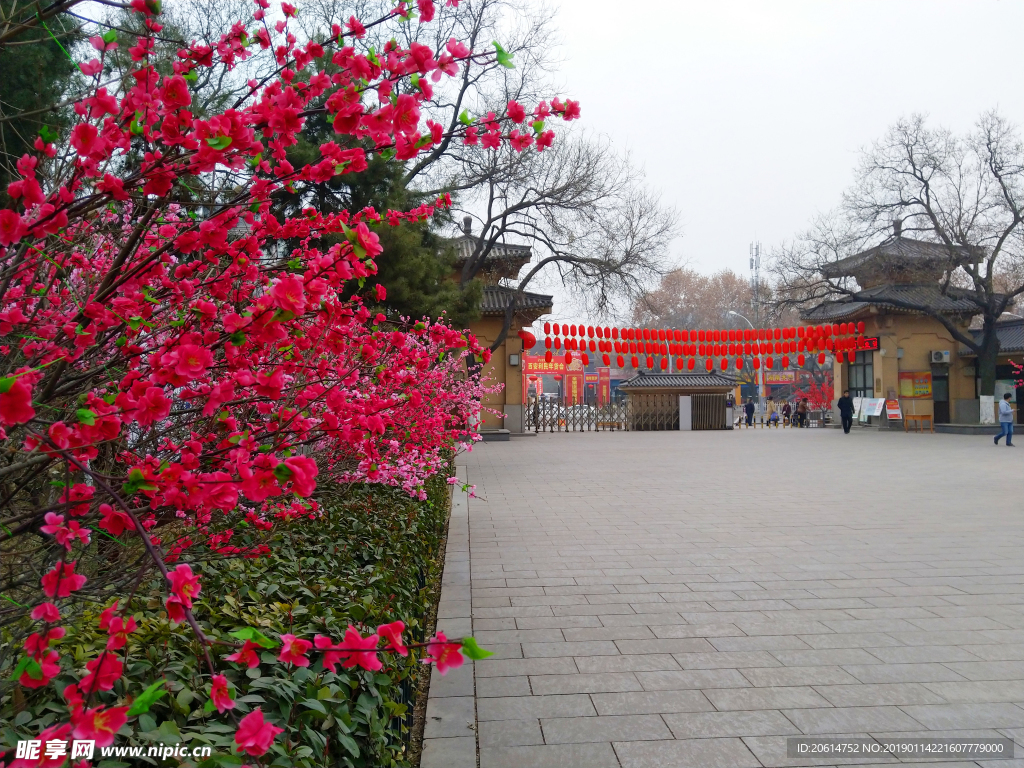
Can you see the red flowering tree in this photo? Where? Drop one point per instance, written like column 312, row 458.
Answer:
column 819, row 394
column 177, row 371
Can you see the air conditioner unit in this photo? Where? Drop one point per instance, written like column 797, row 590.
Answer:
column 940, row 356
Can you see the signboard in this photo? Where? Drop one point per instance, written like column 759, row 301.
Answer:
column 590, row 377
column 915, row 384
column 873, row 406
column 779, row 377
column 871, row 342
column 857, row 403
column 892, row 409
column 1003, row 386
column 604, row 386
column 572, row 383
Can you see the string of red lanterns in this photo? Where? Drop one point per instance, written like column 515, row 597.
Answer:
column 634, row 344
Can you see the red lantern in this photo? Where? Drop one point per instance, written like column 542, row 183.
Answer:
column 547, row 327
column 590, row 331
column 586, row 359
column 861, row 327
column 547, row 356
column 843, row 328
column 725, row 364
column 689, row 364
column 679, row 363
column 777, row 333
column 839, row 357
column 800, row 360
column 739, row 363
column 708, row 364
column 558, row 377
column 821, row 359
column 558, row 343
column 620, row 362
column 757, row 363
column 572, row 330
column 634, row 362
column 785, row 361
column 568, row 358
column 606, row 360
column 615, row 333
column 650, row 361
column 547, row 343
column 664, row 363
column 801, row 332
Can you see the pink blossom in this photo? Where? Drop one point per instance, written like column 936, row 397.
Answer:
column 246, row 655
column 62, row 580
column 100, row 724
column 192, row 361
column 16, row 403
column 443, row 653
column 220, row 695
column 47, row 612
column 254, row 735
column 294, row 650
column 392, row 633
column 516, row 113
column 184, row 584
column 104, row 671
column 12, row 229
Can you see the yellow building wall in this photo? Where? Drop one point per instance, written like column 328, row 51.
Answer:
column 918, row 336
column 508, row 402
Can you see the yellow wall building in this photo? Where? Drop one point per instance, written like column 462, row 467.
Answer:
column 503, row 412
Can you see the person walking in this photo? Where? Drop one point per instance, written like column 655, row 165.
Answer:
column 846, row 410
column 748, row 409
column 801, row 413
column 1005, row 421
column 773, row 414
column 787, row 413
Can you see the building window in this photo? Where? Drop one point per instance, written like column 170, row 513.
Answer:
column 862, row 375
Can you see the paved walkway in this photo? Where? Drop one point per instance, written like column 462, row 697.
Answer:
column 692, row 599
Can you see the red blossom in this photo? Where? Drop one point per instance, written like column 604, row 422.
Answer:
column 392, row 633
column 294, row 650
column 255, row 735
column 62, row 580
column 219, row 693
column 100, row 724
column 443, row 653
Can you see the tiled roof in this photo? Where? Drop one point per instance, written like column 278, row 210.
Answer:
column 904, row 251
column 894, row 298
column 465, row 244
column 1010, row 334
column 678, row 381
column 496, row 300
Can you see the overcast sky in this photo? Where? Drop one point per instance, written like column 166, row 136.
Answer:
column 749, row 115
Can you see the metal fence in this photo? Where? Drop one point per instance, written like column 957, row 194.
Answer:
column 638, row 413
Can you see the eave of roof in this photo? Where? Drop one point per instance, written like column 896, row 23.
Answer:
column 678, row 381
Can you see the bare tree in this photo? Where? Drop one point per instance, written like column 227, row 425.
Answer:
column 958, row 199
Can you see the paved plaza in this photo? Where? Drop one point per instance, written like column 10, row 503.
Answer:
column 693, row 599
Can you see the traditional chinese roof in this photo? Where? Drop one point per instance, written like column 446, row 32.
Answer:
column 496, row 300
column 1010, row 334
column 902, row 260
column 674, row 381
column 894, row 298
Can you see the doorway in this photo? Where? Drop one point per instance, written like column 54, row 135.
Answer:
column 940, row 395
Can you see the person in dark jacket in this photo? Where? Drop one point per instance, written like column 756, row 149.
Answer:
column 749, row 410
column 846, row 410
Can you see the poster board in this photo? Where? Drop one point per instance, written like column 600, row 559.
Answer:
column 857, row 403
column 988, row 409
column 1003, row 386
column 873, row 406
column 915, row 384
column 892, row 409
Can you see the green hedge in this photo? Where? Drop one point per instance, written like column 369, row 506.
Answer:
column 372, row 558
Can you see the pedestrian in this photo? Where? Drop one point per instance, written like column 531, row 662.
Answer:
column 748, row 409
column 846, row 410
column 801, row 413
column 787, row 413
column 773, row 414
column 1005, row 421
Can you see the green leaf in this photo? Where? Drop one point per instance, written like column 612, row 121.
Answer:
column 86, row 416
column 191, row 76
column 48, row 134
column 473, row 651
column 147, row 698
column 110, row 36
column 283, row 472
column 237, row 338
column 29, row 665
column 503, row 57
column 538, row 126
column 219, row 142
column 6, row 383
column 315, row 705
column 464, row 117
column 248, row 633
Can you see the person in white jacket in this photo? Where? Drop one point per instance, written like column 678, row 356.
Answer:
column 1005, row 421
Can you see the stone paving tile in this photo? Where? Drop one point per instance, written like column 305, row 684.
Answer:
column 705, row 725
column 573, row 730
column 550, row 756
column 693, row 753
column 651, row 702
column 653, row 597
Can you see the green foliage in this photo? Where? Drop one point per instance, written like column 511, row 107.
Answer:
column 371, row 559
column 36, row 73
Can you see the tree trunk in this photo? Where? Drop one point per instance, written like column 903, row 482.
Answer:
column 987, row 358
